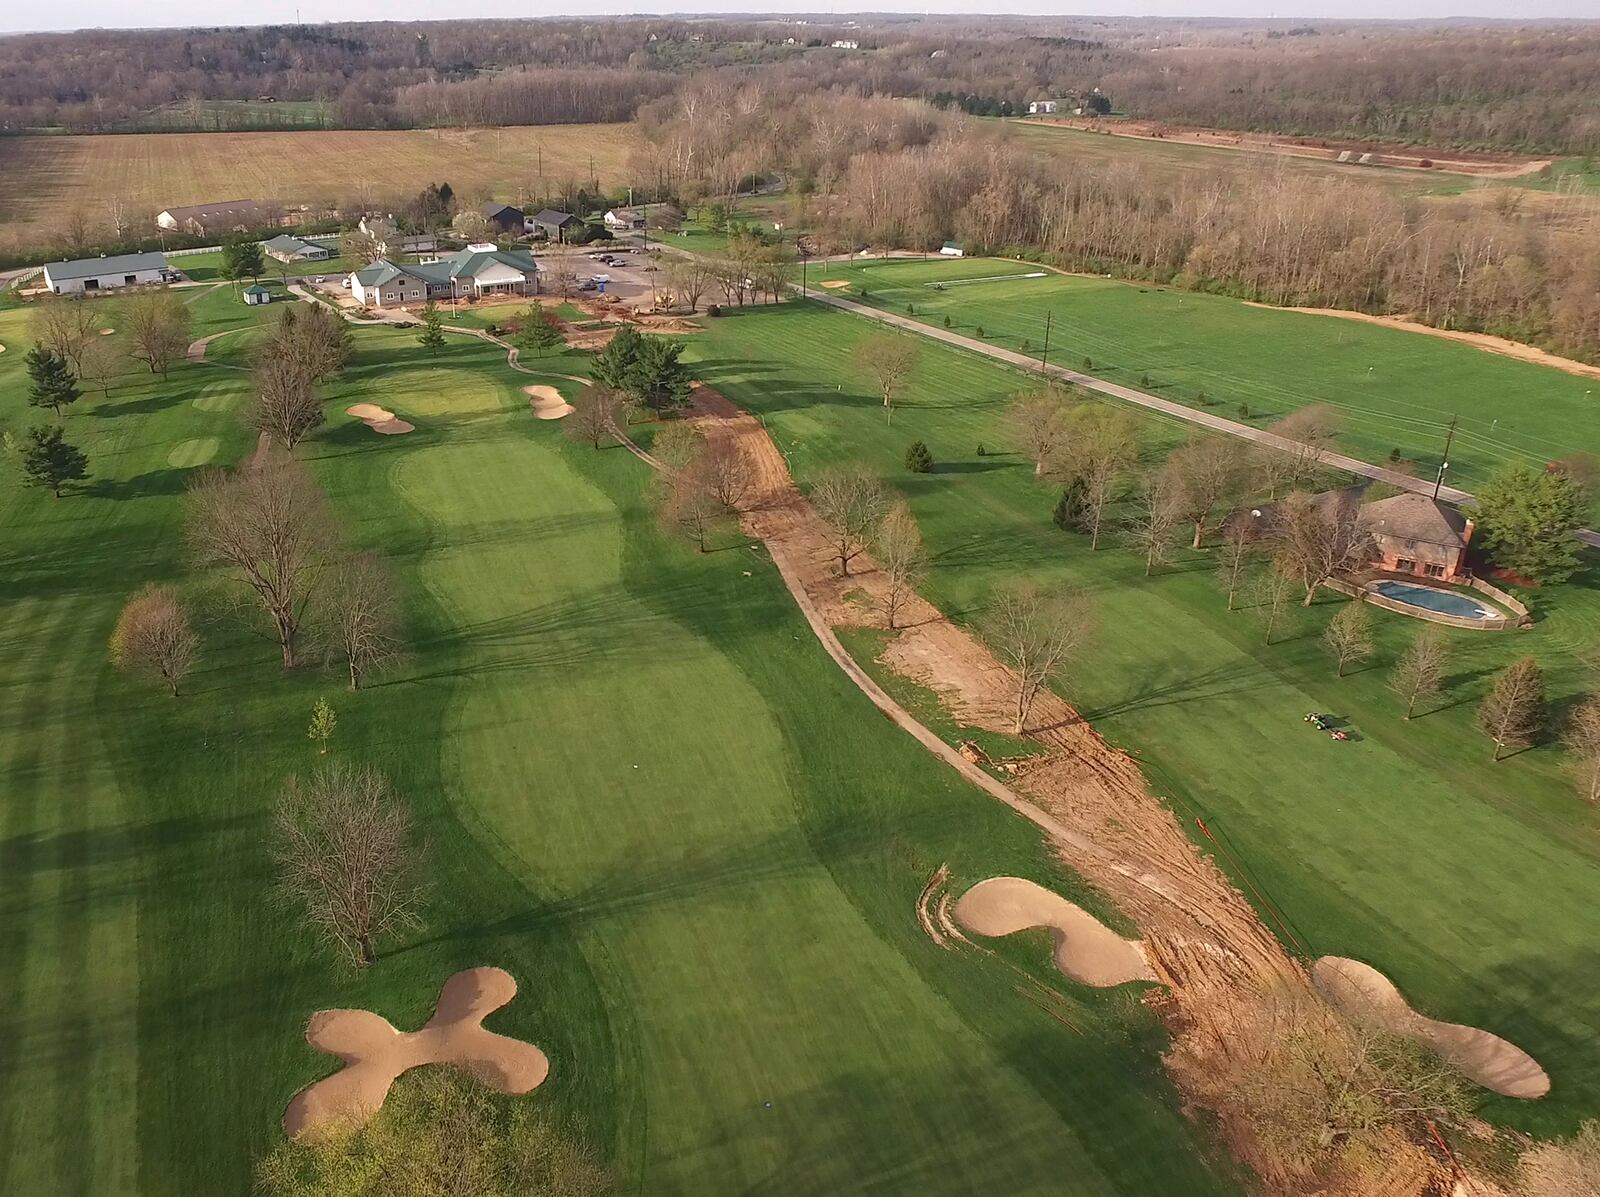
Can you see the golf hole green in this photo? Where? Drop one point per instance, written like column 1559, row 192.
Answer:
column 186, row 454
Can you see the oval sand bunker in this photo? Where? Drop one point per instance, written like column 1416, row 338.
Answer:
column 1358, row 990
column 1086, row 949
column 546, row 402
column 375, row 1054
column 379, row 419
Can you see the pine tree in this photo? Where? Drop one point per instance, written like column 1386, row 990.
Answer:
column 49, row 460
column 51, row 383
column 432, row 338
column 918, row 459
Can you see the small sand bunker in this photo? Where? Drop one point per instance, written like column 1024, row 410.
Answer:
column 1086, row 949
column 1358, row 991
column 106, row 332
column 836, row 284
column 375, row 1054
column 547, row 402
column 379, row 419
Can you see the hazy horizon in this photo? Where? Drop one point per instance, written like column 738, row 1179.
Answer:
column 167, row 14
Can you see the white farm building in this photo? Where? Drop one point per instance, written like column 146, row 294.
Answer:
column 105, row 274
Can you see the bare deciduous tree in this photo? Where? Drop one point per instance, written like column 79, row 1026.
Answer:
column 597, row 412
column 1348, row 635
column 158, row 329
column 1320, row 536
column 316, row 337
column 67, row 326
column 347, row 859
column 286, row 404
column 1151, row 526
column 688, row 500
column 1102, row 443
column 269, row 525
column 1269, row 595
column 1034, row 631
column 888, row 359
column 1038, row 420
column 101, row 363
column 1418, row 675
column 1239, row 544
column 563, row 277
column 1565, row 1168
column 727, row 471
column 1311, row 432
column 1582, row 738
column 897, row 546
column 153, row 637
column 1205, row 469
column 852, row 503
column 362, row 613
column 1512, row 713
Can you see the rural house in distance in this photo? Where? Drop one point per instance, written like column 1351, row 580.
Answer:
column 285, row 248
column 1414, row 534
column 503, row 217
column 227, row 216
column 472, row 272
column 555, row 226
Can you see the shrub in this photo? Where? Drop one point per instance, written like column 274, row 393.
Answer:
column 1088, row 363
column 1203, row 399
column 713, row 309
column 947, row 321
column 1244, row 411
column 1068, row 513
column 918, row 459
column 978, row 331
column 1144, row 380
column 911, row 309
column 1395, row 456
column 983, row 450
column 1027, row 345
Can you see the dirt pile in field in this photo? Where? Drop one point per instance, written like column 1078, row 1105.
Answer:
column 375, row 1054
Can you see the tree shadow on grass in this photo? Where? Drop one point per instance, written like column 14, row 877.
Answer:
column 172, row 481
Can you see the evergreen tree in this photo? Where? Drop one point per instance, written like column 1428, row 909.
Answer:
column 918, row 458
column 1068, row 513
column 242, row 258
column 432, row 337
column 612, row 365
column 49, row 460
column 51, row 382
column 1526, row 517
column 656, row 378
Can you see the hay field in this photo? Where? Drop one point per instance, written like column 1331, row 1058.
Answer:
column 43, row 178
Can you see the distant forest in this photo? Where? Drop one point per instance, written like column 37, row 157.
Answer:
column 1504, row 86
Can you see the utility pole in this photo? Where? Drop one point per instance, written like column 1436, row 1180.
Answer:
column 1044, row 358
column 1444, row 462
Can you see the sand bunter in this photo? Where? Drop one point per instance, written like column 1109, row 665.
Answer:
column 379, row 419
column 1360, row 992
column 375, row 1054
column 1085, row 948
column 546, row 402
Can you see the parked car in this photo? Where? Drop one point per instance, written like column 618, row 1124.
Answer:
column 588, row 284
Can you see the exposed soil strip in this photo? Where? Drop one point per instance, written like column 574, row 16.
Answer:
column 375, row 1054
column 1086, row 949
column 1361, row 992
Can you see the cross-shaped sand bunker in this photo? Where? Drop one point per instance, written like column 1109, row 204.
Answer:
column 375, row 1054
column 546, row 402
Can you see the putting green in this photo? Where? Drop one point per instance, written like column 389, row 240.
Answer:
column 219, row 396
column 194, row 452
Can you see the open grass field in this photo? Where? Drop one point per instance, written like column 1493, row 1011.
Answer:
column 41, row 178
column 1394, row 389
column 708, row 905
column 1474, row 886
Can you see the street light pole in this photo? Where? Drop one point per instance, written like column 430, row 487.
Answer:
column 1044, row 358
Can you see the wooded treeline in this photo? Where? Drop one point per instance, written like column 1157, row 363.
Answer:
column 895, row 173
column 1492, row 86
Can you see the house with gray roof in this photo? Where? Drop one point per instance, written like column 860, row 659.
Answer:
column 1416, row 534
column 105, row 274
column 470, row 273
column 554, row 225
column 292, row 249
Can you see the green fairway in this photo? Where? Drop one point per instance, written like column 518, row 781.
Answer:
column 708, row 904
column 1394, row 389
column 1474, row 886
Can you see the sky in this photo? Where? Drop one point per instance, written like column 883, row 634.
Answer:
column 18, row 16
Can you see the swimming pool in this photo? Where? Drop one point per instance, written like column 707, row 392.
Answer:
column 1446, row 602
